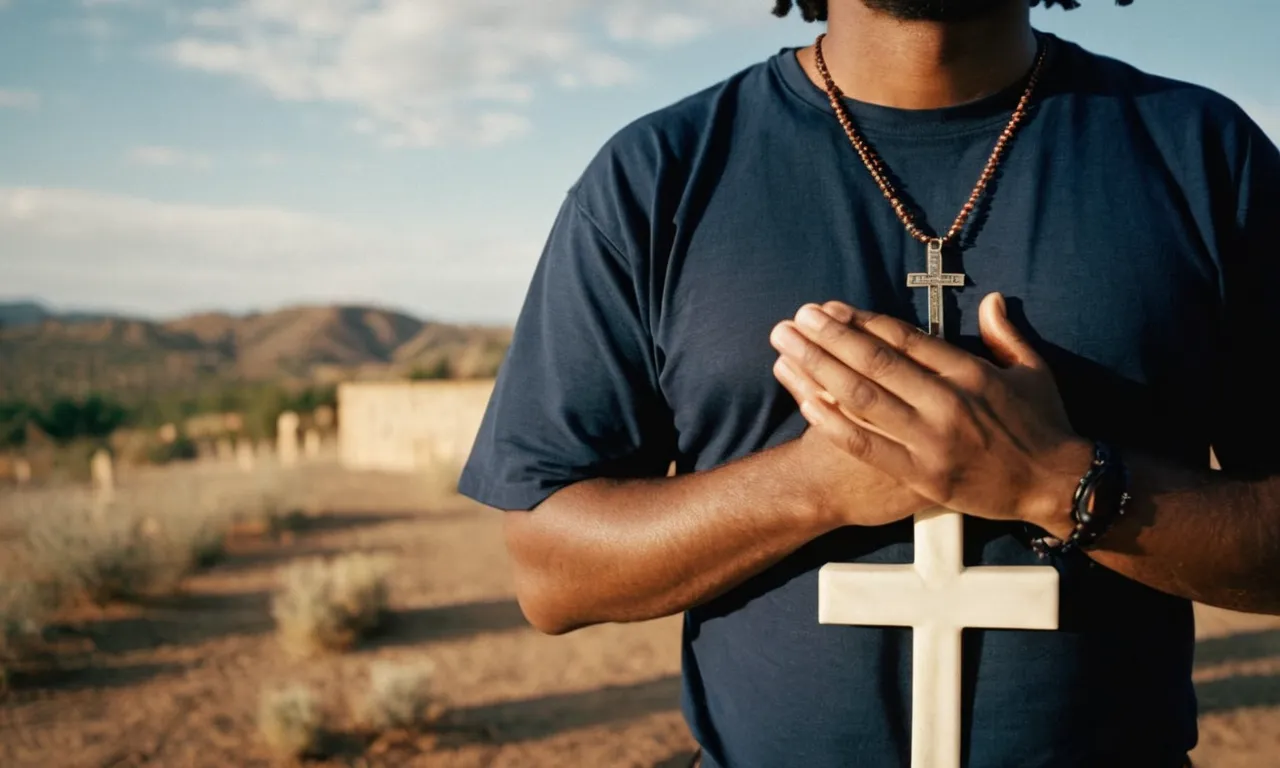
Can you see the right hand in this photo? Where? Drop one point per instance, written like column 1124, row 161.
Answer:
column 843, row 489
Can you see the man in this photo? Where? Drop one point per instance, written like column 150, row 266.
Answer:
column 726, row 287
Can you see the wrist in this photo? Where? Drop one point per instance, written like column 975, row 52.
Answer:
column 807, row 496
column 1049, row 504
column 1099, row 501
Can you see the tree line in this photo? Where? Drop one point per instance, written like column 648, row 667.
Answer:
column 67, row 419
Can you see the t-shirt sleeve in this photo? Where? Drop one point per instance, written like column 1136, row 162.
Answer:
column 577, row 395
column 1247, row 438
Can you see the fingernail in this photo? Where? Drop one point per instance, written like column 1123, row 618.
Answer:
column 841, row 312
column 811, row 412
column 784, row 370
column 811, row 317
column 786, row 339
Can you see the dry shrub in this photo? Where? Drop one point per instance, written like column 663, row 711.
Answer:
column 22, row 617
column 328, row 605
column 290, row 722
column 124, row 548
column 400, row 696
column 100, row 558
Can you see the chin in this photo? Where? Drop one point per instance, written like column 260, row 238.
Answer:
column 937, row 10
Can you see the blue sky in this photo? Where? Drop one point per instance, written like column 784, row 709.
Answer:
column 165, row 157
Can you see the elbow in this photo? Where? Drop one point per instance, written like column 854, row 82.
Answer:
column 543, row 611
column 545, row 599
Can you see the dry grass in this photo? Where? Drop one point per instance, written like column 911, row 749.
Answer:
column 400, row 696
column 130, row 547
column 290, row 722
column 328, row 605
column 143, row 539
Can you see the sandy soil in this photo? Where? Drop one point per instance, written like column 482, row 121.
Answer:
column 176, row 683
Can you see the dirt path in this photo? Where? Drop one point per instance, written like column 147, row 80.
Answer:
column 177, row 683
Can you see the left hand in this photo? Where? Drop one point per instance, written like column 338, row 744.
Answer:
column 987, row 440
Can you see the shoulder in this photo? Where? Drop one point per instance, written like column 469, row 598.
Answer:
column 649, row 162
column 1192, row 116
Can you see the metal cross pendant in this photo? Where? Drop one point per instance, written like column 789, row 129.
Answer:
column 935, row 280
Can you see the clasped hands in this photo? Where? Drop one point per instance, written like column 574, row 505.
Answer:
column 985, row 439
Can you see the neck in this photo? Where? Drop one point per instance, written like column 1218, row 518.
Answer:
column 879, row 59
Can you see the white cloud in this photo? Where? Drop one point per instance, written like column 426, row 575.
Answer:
column 428, row 72
column 168, row 157
column 268, row 159
column 81, row 248
column 659, row 28
column 16, row 99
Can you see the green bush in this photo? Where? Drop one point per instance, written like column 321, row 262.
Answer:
column 181, row 449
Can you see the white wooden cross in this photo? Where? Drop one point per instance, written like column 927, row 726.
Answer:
column 938, row 597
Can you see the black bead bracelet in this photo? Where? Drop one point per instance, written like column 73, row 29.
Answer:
column 1101, row 499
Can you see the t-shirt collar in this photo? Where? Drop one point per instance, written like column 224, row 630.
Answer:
column 945, row 121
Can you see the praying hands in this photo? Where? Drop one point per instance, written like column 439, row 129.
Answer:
column 983, row 439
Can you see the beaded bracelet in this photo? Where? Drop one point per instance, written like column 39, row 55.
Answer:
column 1092, row 520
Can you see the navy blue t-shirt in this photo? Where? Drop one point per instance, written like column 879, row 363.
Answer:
column 1130, row 228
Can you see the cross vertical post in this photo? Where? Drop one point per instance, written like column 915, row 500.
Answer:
column 938, row 597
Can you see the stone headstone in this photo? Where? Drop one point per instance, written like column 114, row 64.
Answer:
column 244, row 454
column 21, row 471
column 323, row 417
column 311, row 443
column 102, row 472
column 168, row 433
column 225, row 450
column 287, row 438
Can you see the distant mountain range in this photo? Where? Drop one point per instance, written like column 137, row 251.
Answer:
column 44, row 352
column 20, row 313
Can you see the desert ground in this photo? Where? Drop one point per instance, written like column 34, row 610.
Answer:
column 176, row 680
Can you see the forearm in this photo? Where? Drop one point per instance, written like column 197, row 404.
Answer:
column 617, row 551
column 1201, row 535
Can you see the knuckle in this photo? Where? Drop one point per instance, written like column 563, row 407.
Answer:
column 908, row 340
column 978, row 378
column 830, row 332
column 859, row 394
column 855, row 442
column 952, row 409
column 940, row 476
column 812, row 357
column 880, row 361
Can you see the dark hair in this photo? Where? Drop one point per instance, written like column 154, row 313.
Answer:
column 816, row 10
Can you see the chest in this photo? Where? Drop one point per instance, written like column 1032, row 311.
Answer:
column 1108, row 271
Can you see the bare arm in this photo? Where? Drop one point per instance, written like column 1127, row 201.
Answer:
column 618, row 551
column 1202, row 535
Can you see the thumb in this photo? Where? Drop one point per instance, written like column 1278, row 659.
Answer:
column 1002, row 338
